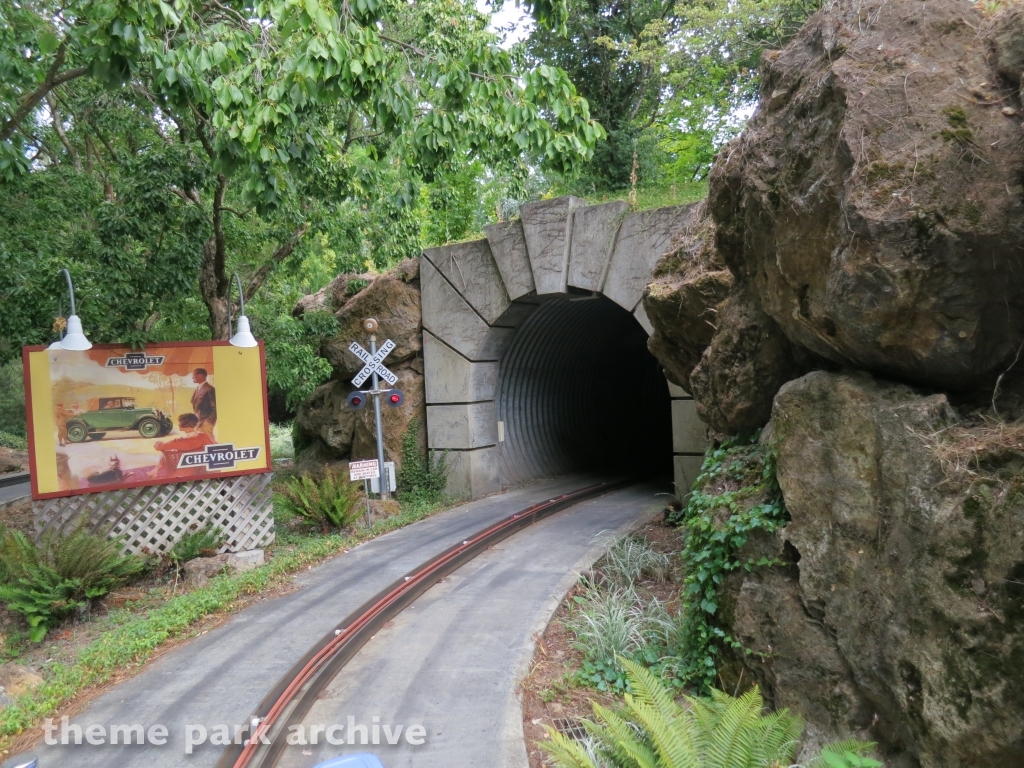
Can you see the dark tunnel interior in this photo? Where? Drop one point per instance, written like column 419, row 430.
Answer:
column 578, row 391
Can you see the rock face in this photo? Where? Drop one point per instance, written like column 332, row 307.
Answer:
column 12, row 460
column 394, row 299
column 689, row 283
column 333, row 431
column 904, row 615
column 747, row 361
column 875, row 200
column 872, row 208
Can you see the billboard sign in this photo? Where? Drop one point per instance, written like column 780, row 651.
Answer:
column 112, row 417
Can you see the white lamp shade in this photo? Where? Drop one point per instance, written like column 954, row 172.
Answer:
column 243, row 336
column 55, row 345
column 75, row 338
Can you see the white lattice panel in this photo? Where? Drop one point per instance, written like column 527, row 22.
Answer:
column 151, row 520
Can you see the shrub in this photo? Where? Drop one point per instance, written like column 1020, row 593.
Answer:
column 281, row 441
column 421, row 478
column 606, row 624
column 45, row 584
column 200, row 543
column 630, row 558
column 327, row 499
column 715, row 732
column 7, row 440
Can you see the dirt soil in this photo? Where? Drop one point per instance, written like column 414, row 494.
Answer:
column 550, row 693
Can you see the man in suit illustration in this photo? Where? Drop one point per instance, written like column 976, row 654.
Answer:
column 204, row 402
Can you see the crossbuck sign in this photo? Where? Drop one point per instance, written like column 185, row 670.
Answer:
column 373, row 363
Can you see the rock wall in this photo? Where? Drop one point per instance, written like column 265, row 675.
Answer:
column 853, row 284
column 871, row 214
column 329, row 430
column 903, row 619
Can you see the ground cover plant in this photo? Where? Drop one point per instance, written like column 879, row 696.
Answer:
column 652, row 730
column 421, row 478
column 49, row 582
column 735, row 496
column 326, row 498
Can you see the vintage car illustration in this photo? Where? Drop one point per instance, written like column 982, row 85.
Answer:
column 108, row 414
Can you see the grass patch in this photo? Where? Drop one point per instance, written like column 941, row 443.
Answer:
column 129, row 644
column 648, row 198
column 16, row 442
column 281, row 444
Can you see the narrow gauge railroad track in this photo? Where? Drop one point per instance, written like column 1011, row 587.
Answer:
column 290, row 700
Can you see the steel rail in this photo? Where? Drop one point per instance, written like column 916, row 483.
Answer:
column 290, row 700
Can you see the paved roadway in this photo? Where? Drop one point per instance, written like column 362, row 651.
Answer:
column 453, row 661
column 11, row 493
column 220, row 677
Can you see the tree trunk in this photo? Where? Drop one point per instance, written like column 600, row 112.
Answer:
column 213, row 280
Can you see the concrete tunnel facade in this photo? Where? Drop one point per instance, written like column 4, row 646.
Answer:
column 535, row 350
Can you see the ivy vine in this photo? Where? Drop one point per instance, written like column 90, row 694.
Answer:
column 736, row 494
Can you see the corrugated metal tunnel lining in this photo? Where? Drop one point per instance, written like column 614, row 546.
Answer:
column 578, row 390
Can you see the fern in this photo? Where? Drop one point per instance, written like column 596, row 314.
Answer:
column 327, row 500
column 94, row 561
column 200, row 543
column 45, row 584
column 653, row 731
column 17, row 554
column 43, row 598
column 846, row 754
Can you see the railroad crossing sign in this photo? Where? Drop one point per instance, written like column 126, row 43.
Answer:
column 374, row 363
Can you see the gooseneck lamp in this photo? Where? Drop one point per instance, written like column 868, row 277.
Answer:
column 243, row 336
column 74, row 337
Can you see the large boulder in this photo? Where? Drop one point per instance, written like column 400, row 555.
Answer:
column 747, row 361
column 903, row 618
column 394, row 300
column 688, row 283
column 329, row 430
column 875, row 201
column 12, row 460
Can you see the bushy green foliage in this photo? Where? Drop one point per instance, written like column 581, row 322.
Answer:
column 12, row 401
column 668, row 81
column 325, row 498
column 49, row 582
column 719, row 731
column 18, row 443
column 610, row 619
column 717, row 525
column 421, row 478
column 203, row 542
column 43, row 598
column 281, row 445
column 631, row 558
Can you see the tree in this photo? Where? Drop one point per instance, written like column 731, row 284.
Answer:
column 269, row 107
column 625, row 92
column 668, row 80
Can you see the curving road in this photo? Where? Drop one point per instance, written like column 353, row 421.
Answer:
column 220, row 677
column 452, row 662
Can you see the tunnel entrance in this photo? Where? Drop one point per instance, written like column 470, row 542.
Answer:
column 535, row 358
column 578, row 391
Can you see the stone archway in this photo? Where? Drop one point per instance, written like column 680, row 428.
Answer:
column 477, row 295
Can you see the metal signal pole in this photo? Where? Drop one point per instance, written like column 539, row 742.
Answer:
column 384, row 481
